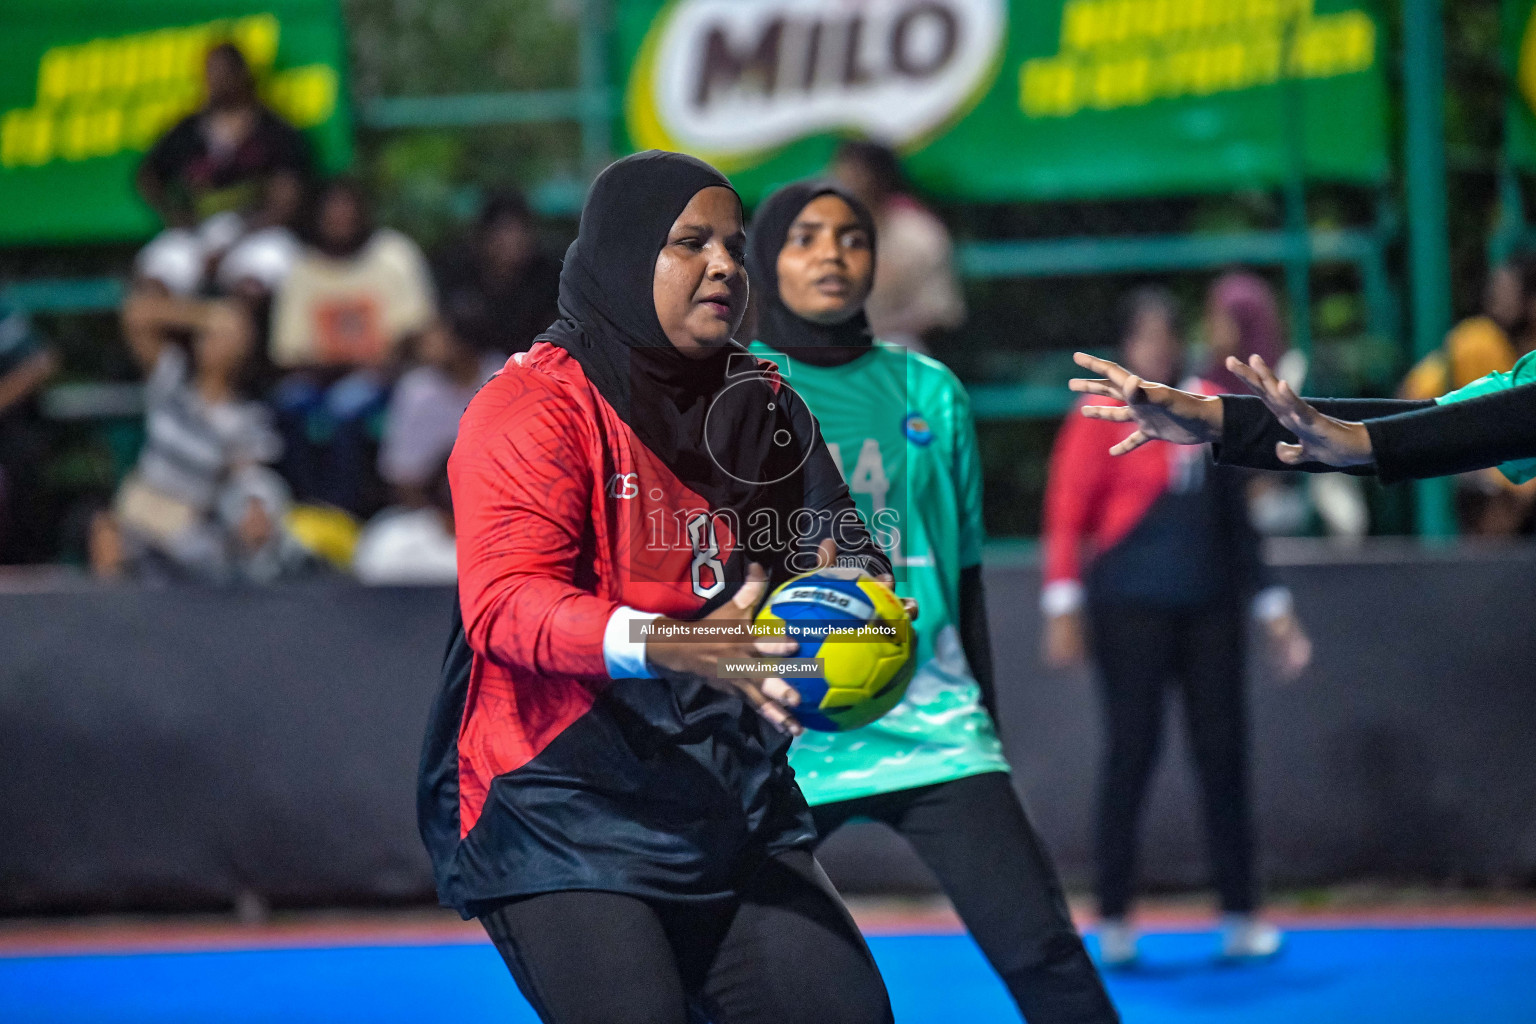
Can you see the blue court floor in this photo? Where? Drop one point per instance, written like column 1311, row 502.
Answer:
column 1410, row 975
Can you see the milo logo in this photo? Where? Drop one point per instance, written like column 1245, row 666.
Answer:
column 728, row 78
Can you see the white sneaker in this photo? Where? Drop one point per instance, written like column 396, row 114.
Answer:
column 1117, row 944
column 1245, row 937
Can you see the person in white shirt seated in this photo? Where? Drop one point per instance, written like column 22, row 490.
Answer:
column 411, row 546
column 357, row 296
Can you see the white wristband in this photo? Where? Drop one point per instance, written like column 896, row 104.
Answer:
column 1061, row 597
column 625, row 656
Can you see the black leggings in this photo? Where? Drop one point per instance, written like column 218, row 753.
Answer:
column 784, row 951
column 1140, row 651
column 975, row 835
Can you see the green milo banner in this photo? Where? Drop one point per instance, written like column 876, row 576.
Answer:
column 86, row 86
column 1033, row 99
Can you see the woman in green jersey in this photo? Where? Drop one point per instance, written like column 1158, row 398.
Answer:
column 899, row 427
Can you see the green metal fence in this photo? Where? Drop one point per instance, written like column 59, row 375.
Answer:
column 591, row 106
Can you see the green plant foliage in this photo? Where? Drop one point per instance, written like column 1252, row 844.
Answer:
column 428, row 183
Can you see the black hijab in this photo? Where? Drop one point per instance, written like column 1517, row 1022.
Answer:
column 778, row 326
column 609, row 325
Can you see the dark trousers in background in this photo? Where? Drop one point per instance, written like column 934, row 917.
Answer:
column 329, row 430
column 976, row 837
column 1140, row 652
column 26, row 518
column 784, row 951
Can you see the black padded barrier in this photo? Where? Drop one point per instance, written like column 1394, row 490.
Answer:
column 174, row 749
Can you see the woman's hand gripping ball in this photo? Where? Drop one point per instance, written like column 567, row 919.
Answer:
column 702, row 656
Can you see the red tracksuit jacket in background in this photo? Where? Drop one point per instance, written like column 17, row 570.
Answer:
column 1159, row 525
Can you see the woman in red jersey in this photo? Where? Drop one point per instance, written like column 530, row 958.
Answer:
column 624, row 824
column 1153, row 569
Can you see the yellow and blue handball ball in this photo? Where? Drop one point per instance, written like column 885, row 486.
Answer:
column 864, row 673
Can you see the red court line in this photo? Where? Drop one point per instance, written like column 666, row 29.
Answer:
column 182, row 937
column 112, row 937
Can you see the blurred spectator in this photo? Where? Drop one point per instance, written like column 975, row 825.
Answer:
column 26, row 364
column 357, row 295
column 1151, row 559
column 411, row 545
column 1242, row 319
column 1487, row 504
column 201, row 434
column 253, row 511
column 227, row 182
column 1481, row 344
column 916, row 292
column 423, row 417
column 505, row 287
column 360, row 290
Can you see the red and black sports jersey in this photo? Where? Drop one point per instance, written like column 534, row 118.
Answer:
column 539, row 772
column 1159, row 525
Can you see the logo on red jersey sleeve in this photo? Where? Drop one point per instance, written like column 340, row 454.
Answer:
column 624, row 486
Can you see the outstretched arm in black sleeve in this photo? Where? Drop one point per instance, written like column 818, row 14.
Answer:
column 1421, row 441
column 1278, row 430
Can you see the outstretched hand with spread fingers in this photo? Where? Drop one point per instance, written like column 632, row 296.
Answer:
column 1320, row 438
column 1160, row 412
